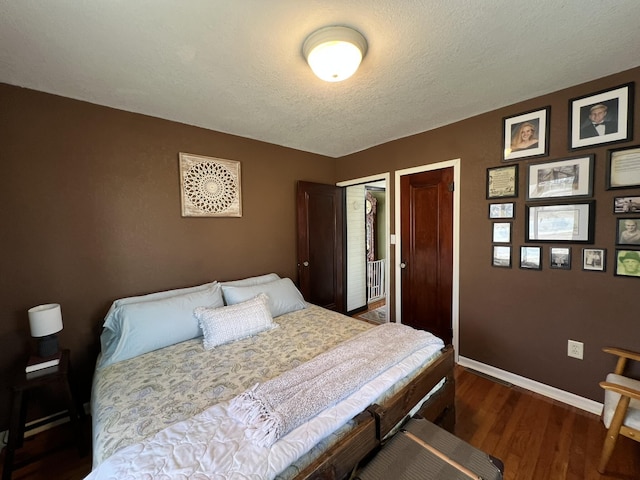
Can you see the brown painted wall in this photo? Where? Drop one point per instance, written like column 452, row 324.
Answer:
column 520, row 320
column 91, row 212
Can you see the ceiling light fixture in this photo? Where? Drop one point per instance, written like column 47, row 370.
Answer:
column 334, row 53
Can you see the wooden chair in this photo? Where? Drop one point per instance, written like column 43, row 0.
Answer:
column 621, row 412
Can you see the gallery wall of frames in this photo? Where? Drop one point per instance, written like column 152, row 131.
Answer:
column 559, row 197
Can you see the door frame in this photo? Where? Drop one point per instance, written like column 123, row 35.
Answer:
column 387, row 216
column 455, row 294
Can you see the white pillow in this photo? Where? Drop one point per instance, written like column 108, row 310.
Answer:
column 251, row 281
column 227, row 324
column 283, row 295
column 136, row 328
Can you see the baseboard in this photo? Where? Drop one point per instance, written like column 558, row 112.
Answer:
column 571, row 399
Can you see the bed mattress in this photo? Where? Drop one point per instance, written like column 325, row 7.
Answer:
column 137, row 398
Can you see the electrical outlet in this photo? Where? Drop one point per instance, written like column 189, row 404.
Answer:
column 575, row 349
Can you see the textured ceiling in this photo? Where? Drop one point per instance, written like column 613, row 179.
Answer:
column 236, row 66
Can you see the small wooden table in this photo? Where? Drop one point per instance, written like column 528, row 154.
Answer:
column 24, row 383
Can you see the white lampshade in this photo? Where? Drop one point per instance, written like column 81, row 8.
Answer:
column 334, row 53
column 45, row 319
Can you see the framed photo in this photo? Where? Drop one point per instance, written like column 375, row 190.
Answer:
column 209, row 187
column 602, row 117
column 502, row 210
column 623, row 168
column 628, row 231
column 560, row 258
column 625, row 205
column 526, row 135
column 501, row 256
column 501, row 232
column 502, row 182
column 569, row 177
column 571, row 222
column 594, row 259
column 530, row 258
column 627, row 263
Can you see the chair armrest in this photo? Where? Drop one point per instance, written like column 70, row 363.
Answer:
column 623, row 356
column 621, row 389
column 622, row 353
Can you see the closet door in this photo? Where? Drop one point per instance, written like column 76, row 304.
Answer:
column 426, row 203
column 320, row 225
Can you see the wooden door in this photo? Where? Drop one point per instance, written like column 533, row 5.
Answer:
column 426, row 216
column 320, row 219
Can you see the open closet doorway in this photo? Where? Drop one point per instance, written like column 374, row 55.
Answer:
column 367, row 220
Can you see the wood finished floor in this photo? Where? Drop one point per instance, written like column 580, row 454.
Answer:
column 536, row 438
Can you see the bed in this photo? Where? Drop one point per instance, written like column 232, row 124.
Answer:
column 162, row 391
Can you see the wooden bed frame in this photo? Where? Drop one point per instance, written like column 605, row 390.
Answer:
column 373, row 425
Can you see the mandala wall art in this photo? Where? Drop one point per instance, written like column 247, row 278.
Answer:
column 210, row 186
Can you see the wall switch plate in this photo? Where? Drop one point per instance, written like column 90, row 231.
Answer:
column 575, row 349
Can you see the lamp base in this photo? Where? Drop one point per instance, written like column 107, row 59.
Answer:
column 48, row 345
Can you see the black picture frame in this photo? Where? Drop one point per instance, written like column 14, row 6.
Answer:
column 526, row 135
column 623, row 168
column 613, row 107
column 502, row 182
column 563, row 178
column 628, row 231
column 561, row 222
column 594, row 259
column 560, row 258
column 629, row 204
column 501, row 257
column 530, row 257
column 627, row 263
column 501, row 232
column 502, row 210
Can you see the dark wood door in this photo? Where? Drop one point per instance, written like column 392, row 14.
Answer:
column 426, row 216
column 320, row 217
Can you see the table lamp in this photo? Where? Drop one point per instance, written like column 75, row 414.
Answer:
column 45, row 321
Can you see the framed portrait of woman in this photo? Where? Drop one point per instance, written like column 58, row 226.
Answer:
column 526, row 135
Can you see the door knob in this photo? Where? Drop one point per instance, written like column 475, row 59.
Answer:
column 306, row 264
column 403, row 265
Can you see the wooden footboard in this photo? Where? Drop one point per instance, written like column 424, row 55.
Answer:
column 339, row 461
column 434, row 409
column 377, row 421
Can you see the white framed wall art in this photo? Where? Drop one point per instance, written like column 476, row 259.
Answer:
column 210, row 187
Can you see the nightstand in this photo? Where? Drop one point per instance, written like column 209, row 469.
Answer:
column 21, row 391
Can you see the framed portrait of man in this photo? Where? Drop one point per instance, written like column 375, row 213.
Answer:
column 628, row 231
column 601, row 117
column 627, row 263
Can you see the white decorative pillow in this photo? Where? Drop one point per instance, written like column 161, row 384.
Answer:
column 283, row 295
column 227, row 324
column 132, row 329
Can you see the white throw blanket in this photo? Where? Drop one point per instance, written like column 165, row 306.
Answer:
column 274, row 408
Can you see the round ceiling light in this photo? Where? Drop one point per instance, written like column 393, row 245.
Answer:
column 334, row 53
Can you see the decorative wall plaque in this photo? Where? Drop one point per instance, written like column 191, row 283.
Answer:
column 210, row 187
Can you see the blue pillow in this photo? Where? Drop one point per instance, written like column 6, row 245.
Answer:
column 136, row 328
column 154, row 296
column 283, row 295
column 251, row 281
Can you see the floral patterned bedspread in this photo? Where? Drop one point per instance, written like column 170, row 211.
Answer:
column 136, row 398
